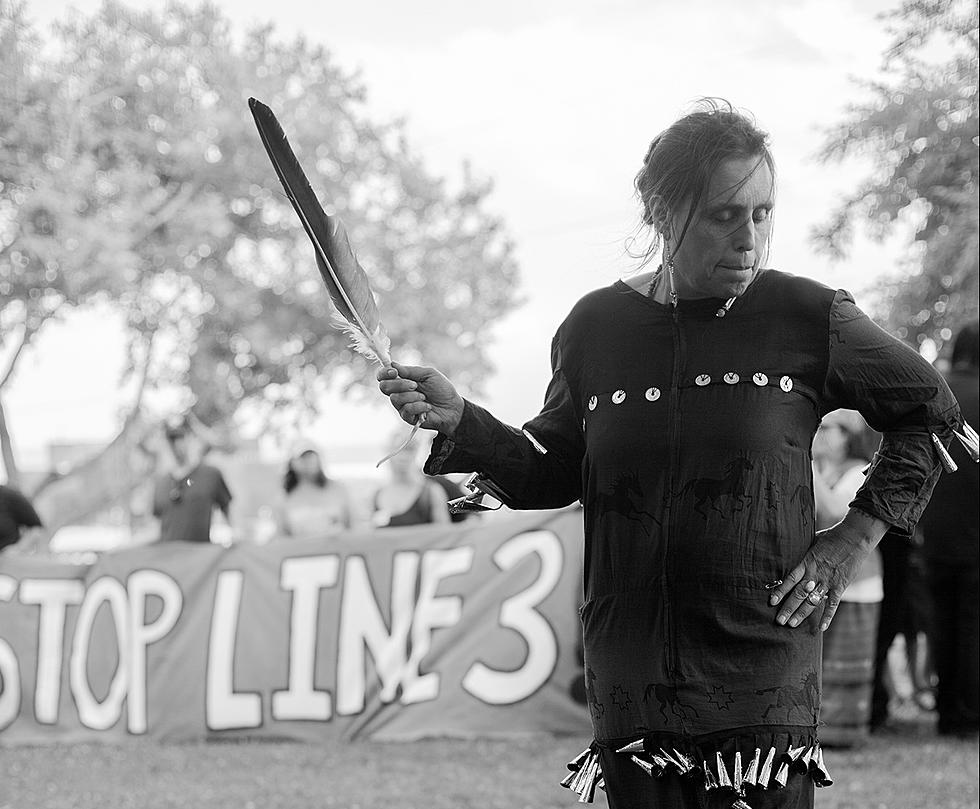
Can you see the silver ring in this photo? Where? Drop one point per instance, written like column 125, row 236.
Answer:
column 820, row 596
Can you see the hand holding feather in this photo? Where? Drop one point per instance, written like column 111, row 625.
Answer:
column 421, row 391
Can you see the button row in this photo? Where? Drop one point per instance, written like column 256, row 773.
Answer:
column 701, row 380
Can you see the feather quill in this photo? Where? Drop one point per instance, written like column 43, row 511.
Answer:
column 345, row 279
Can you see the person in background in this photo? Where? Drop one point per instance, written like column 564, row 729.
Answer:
column 409, row 497
column 189, row 490
column 840, row 456
column 952, row 553
column 904, row 611
column 18, row 519
column 313, row 505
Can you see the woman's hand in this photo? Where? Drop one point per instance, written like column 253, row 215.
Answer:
column 414, row 390
column 826, row 569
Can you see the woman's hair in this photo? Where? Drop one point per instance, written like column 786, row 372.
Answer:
column 681, row 161
column 291, row 479
column 966, row 347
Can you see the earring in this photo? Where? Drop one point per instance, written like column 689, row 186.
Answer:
column 669, row 263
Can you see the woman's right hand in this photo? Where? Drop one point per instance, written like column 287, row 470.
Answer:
column 414, row 390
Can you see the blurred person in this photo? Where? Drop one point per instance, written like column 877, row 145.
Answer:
column 19, row 522
column 189, row 490
column 902, row 675
column 681, row 411
column 313, row 505
column 840, row 456
column 409, row 497
column 952, row 553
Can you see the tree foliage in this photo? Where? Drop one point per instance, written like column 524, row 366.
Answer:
column 919, row 129
column 131, row 173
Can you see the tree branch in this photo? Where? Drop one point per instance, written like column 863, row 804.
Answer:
column 144, row 374
column 110, row 456
column 24, row 340
column 167, row 211
column 7, row 451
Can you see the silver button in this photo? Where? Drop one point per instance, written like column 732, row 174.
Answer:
column 786, row 384
column 619, row 397
column 652, row 394
column 702, row 379
column 593, row 402
column 731, row 378
column 760, row 379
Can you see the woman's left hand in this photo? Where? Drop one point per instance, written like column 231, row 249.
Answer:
column 820, row 579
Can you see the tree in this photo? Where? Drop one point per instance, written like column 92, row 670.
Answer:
column 131, row 173
column 920, row 131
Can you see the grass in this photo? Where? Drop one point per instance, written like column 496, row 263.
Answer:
column 906, row 768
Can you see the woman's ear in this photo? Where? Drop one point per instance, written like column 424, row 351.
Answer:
column 660, row 219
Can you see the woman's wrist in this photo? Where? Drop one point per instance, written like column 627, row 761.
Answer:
column 866, row 528
column 451, row 424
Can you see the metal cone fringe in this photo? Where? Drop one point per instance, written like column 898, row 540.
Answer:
column 751, row 776
column 723, row 779
column 709, row 778
column 765, row 774
column 944, row 457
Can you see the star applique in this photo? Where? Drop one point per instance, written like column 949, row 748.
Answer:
column 621, row 698
column 720, row 698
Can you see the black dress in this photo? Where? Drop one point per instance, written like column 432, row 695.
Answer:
column 687, row 437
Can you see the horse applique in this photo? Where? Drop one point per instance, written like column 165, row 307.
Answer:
column 804, row 698
column 712, row 492
column 626, row 499
column 666, row 696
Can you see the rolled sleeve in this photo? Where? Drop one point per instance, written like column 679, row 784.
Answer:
column 901, row 396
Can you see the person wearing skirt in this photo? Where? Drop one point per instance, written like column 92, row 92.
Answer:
column 840, row 455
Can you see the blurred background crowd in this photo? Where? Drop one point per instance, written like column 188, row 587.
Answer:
column 133, row 190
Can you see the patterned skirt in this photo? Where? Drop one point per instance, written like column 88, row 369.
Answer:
column 848, row 674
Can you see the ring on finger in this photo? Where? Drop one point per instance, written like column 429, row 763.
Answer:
column 816, row 596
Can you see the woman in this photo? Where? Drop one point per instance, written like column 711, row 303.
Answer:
column 408, row 498
column 313, row 505
column 840, row 454
column 681, row 411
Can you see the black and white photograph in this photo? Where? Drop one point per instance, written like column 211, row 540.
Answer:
column 510, row 405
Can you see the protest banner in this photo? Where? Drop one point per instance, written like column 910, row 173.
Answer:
column 390, row 634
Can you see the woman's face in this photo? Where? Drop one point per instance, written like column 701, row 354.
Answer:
column 720, row 253
column 405, row 464
column 187, row 448
column 307, row 465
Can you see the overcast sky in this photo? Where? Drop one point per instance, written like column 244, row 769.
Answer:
column 556, row 101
